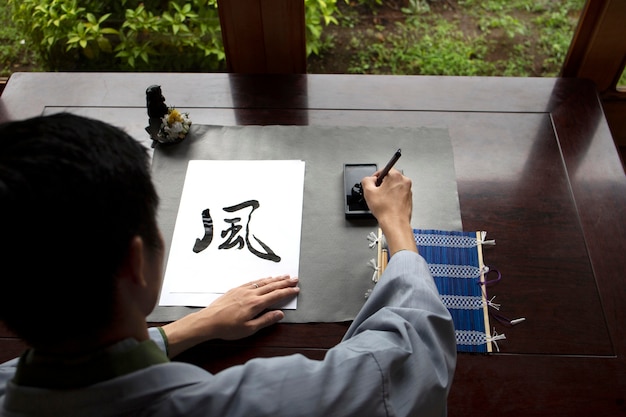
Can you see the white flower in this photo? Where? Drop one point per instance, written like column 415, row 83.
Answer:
column 174, row 126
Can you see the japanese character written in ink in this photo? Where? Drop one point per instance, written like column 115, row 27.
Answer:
column 232, row 236
column 207, row 223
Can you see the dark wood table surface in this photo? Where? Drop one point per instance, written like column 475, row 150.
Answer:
column 536, row 167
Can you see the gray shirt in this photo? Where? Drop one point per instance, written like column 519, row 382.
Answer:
column 396, row 359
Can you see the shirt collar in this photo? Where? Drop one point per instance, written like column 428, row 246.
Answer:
column 55, row 372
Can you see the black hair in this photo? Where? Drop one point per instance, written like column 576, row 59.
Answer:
column 74, row 192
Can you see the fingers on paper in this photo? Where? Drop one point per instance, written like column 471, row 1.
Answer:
column 277, row 290
column 273, row 283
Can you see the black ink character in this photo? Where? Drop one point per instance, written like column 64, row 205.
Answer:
column 207, row 222
column 233, row 229
column 235, row 240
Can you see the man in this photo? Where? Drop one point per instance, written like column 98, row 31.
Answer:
column 82, row 268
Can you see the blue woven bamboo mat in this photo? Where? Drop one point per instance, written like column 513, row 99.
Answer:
column 455, row 262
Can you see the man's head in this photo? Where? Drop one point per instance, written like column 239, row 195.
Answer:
column 74, row 192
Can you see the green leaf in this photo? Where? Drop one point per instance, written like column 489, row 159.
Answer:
column 104, row 44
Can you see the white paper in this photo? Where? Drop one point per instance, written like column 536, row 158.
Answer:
column 256, row 212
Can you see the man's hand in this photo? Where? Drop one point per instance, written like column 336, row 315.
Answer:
column 238, row 313
column 392, row 204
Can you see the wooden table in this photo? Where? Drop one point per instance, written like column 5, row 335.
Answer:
column 536, row 167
